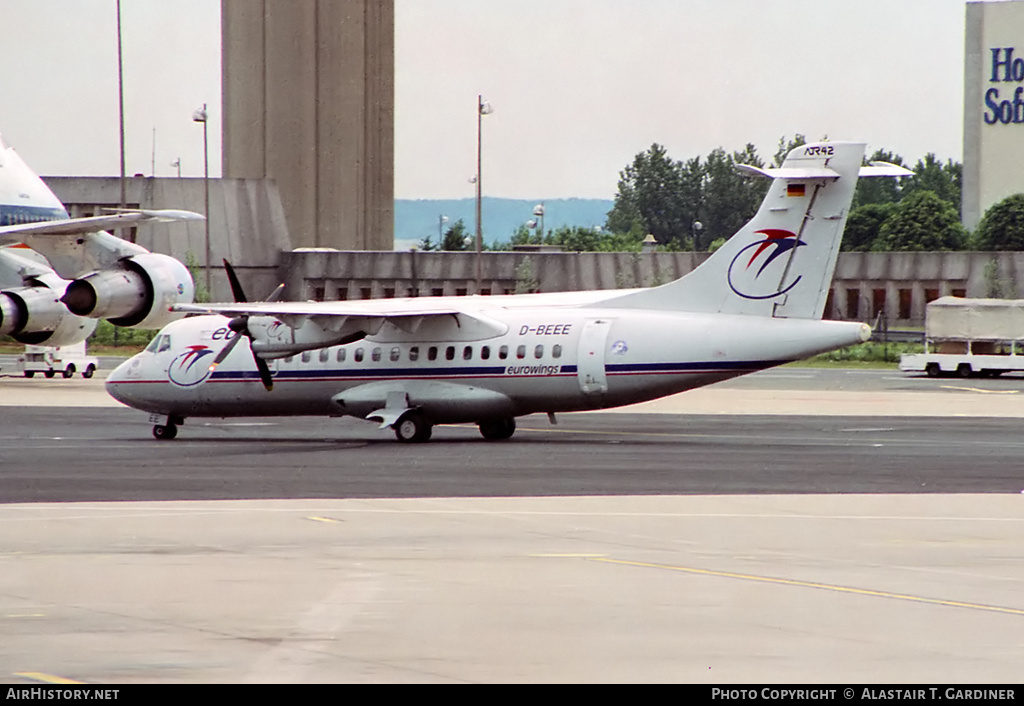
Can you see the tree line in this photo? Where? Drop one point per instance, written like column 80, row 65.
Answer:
column 695, row 204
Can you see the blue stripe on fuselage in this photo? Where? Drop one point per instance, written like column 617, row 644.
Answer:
column 13, row 215
column 496, row 371
column 717, row 366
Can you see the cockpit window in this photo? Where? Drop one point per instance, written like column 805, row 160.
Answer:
column 160, row 343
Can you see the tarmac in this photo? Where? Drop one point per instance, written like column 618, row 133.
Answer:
column 717, row 589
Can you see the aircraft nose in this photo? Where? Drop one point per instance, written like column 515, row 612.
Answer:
column 118, row 379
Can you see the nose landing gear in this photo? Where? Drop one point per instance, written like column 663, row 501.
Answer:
column 169, row 430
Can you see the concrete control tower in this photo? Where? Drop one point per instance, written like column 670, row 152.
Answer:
column 309, row 102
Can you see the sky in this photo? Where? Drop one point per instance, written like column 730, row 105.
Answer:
column 577, row 87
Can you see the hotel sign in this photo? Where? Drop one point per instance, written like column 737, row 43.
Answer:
column 1006, row 68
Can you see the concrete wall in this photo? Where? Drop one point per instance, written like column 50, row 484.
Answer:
column 247, row 224
column 363, row 275
column 308, row 95
column 897, row 285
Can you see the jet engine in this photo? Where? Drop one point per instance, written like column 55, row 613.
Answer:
column 137, row 293
column 35, row 316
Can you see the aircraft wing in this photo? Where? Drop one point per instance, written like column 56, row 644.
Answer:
column 368, row 316
column 75, row 226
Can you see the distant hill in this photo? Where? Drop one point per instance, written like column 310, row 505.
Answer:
column 416, row 219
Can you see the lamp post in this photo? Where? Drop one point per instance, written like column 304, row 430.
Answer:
column 120, row 104
column 199, row 116
column 482, row 108
column 538, row 211
column 697, row 228
column 441, row 220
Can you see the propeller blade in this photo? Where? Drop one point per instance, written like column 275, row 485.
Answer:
column 265, row 378
column 240, row 325
column 236, row 286
column 225, row 351
column 276, row 294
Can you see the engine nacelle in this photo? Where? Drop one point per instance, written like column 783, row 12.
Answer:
column 139, row 293
column 273, row 339
column 35, row 316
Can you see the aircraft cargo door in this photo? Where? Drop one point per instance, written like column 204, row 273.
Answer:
column 590, row 367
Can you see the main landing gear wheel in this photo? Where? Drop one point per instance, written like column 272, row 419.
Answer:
column 413, row 428
column 498, row 429
column 165, row 432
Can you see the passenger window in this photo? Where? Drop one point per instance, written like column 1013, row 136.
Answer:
column 521, row 352
column 414, row 353
column 556, row 350
column 358, row 355
column 325, row 355
column 503, row 353
column 538, row 352
column 467, row 353
column 306, row 356
column 432, row 353
column 396, row 353
column 376, row 355
column 485, row 352
column 449, row 353
column 289, row 359
column 341, row 355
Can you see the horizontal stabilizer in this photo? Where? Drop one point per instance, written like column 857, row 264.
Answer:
column 799, row 173
column 875, row 169
column 884, row 169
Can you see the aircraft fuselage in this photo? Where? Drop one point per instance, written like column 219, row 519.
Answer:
column 547, row 360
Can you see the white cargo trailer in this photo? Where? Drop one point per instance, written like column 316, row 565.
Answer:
column 969, row 337
column 50, row 360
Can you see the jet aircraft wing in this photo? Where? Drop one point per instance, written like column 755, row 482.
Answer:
column 92, row 224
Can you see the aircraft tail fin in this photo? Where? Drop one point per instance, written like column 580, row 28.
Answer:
column 781, row 262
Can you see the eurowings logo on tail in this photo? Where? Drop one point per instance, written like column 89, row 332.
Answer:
column 186, row 369
column 745, row 280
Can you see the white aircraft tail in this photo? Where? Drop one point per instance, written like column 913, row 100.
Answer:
column 781, row 262
column 25, row 196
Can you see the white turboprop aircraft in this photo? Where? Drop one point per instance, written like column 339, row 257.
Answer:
column 413, row 363
column 84, row 273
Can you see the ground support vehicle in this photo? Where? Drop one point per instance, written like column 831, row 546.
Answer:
column 970, row 337
column 50, row 360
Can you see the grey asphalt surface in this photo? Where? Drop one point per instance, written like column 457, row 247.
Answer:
column 882, row 545
column 100, row 454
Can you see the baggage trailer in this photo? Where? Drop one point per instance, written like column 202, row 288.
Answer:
column 50, row 360
column 970, row 337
